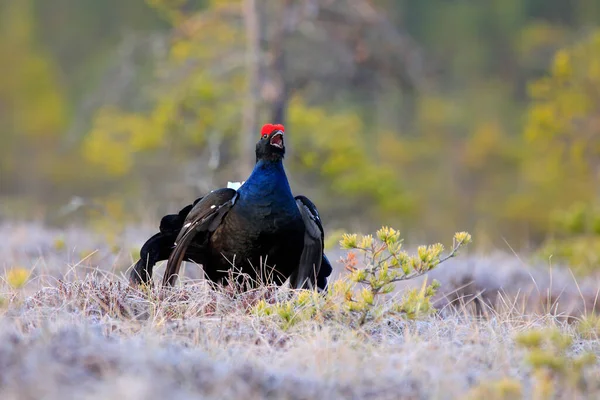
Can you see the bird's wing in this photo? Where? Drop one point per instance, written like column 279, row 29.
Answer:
column 203, row 218
column 312, row 254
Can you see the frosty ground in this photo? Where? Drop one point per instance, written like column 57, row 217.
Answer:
column 76, row 330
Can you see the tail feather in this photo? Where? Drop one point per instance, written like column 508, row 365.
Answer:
column 176, row 258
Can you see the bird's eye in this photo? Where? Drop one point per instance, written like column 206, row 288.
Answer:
column 265, row 136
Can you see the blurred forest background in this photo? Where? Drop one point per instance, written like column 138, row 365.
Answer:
column 431, row 116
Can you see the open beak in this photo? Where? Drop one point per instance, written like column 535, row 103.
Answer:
column 277, row 139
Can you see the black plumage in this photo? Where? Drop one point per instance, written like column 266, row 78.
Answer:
column 261, row 230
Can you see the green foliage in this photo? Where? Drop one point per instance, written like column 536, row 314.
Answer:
column 183, row 112
column 28, row 80
column 563, row 137
column 554, row 367
column 589, row 326
column 581, row 253
column 575, row 238
column 32, row 106
column 343, row 162
column 384, row 263
column 564, row 146
column 17, row 277
column 306, row 305
column 416, row 303
column 333, row 238
column 503, row 389
column 59, row 244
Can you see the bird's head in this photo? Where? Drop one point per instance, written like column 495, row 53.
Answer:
column 270, row 147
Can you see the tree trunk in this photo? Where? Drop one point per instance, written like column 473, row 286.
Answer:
column 282, row 28
column 249, row 127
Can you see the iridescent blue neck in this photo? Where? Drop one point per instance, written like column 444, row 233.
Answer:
column 267, row 179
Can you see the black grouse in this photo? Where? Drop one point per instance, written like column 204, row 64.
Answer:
column 261, row 230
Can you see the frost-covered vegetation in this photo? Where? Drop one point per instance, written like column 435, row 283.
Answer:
column 72, row 326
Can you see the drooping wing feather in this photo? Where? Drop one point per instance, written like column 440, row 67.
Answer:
column 203, row 219
column 324, row 272
column 312, row 254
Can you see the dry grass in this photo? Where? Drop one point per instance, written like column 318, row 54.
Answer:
column 74, row 331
